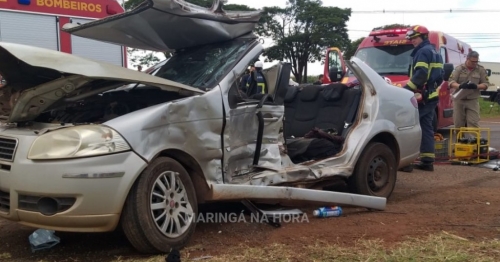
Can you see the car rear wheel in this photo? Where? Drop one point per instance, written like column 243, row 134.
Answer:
column 161, row 208
column 375, row 172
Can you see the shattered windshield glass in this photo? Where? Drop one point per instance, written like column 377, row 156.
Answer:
column 204, row 66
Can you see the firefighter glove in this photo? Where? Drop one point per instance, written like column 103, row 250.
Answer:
column 463, row 85
column 471, row 86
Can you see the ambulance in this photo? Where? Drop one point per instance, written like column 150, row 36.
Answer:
column 388, row 53
column 493, row 71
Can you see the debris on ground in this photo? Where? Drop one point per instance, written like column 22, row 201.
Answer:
column 202, row 258
column 173, row 256
column 492, row 164
column 43, row 239
column 328, row 212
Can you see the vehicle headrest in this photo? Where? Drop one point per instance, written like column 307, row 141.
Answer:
column 291, row 93
column 333, row 92
column 310, row 93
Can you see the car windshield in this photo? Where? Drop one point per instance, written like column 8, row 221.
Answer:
column 202, row 67
column 389, row 60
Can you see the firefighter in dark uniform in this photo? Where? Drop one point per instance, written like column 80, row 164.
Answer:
column 426, row 75
column 256, row 83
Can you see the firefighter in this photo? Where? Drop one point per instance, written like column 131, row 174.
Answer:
column 426, row 75
column 256, row 83
column 468, row 78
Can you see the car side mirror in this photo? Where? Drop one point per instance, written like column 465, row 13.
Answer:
column 448, row 69
column 488, row 72
column 334, row 74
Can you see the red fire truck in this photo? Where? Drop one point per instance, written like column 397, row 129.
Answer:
column 388, row 53
column 39, row 22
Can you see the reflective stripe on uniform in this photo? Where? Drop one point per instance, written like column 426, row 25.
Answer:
column 262, row 87
column 421, row 64
column 432, row 155
column 433, row 94
column 433, row 65
column 412, row 85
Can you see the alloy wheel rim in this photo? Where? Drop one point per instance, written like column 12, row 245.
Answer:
column 172, row 213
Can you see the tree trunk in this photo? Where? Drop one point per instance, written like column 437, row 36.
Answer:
column 305, row 72
column 297, row 76
column 299, row 73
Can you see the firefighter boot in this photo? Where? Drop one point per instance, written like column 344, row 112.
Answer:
column 426, row 166
column 407, row 169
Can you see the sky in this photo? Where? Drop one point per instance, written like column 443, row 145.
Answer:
column 479, row 29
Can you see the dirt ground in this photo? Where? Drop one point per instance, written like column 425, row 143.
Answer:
column 461, row 200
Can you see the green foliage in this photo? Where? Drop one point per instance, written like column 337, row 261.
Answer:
column 302, row 31
column 391, row 26
column 311, row 79
column 352, row 48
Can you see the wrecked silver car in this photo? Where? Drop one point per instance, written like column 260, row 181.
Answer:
column 87, row 146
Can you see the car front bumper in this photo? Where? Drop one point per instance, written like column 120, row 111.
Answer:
column 78, row 195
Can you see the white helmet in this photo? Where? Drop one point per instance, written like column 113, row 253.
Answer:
column 259, row 64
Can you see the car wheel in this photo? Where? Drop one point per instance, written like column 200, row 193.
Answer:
column 375, row 172
column 161, row 208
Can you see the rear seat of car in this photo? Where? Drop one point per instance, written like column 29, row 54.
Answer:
column 325, row 107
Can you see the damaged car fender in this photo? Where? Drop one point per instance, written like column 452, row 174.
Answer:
column 192, row 125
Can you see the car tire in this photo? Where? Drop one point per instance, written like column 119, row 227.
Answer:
column 173, row 220
column 375, row 173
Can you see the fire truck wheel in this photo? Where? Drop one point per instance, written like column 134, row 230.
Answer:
column 161, row 208
column 375, row 172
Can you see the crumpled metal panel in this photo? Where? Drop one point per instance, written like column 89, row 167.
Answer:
column 192, row 125
column 60, row 76
column 244, row 127
column 166, row 25
column 296, row 174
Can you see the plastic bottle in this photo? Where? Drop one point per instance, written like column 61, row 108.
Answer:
column 328, row 212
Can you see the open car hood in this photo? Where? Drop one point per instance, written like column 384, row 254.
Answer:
column 38, row 78
column 167, row 25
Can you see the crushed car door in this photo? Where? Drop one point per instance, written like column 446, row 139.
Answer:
column 256, row 126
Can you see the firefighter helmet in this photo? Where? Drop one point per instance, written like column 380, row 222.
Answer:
column 416, row 31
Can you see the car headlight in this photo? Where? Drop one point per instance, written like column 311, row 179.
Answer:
column 78, row 141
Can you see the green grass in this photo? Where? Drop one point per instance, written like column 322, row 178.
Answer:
column 4, row 256
column 485, row 108
column 441, row 247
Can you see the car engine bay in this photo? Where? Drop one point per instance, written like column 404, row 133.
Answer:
column 106, row 106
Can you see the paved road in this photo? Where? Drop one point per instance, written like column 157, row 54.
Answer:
column 494, row 126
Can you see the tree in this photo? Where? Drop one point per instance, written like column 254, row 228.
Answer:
column 302, row 31
column 148, row 58
column 352, row 48
column 391, row 26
